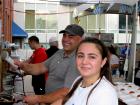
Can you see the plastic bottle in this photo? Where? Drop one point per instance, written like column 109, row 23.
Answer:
column 117, row 73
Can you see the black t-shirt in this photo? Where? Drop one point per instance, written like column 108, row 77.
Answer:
column 51, row 51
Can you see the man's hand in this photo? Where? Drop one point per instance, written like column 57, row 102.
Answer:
column 58, row 102
column 32, row 99
column 17, row 62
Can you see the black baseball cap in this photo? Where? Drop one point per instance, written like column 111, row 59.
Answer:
column 73, row 29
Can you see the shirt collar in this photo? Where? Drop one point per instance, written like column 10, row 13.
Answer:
column 70, row 55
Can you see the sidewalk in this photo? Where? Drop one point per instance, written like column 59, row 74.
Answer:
column 118, row 79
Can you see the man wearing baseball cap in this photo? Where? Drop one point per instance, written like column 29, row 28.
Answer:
column 61, row 67
column 73, row 29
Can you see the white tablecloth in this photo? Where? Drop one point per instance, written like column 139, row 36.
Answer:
column 129, row 93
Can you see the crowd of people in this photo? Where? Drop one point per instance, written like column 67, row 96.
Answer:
column 78, row 74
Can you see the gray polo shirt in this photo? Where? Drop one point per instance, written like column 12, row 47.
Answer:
column 62, row 71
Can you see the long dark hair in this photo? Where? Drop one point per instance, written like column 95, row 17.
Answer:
column 112, row 50
column 105, row 70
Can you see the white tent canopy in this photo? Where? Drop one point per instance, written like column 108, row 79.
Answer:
column 127, row 2
column 108, row 6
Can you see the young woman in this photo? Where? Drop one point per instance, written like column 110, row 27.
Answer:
column 114, row 60
column 94, row 86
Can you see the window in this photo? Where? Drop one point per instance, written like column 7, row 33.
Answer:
column 130, row 19
column 122, row 23
column 30, row 19
column 51, row 22
column 101, row 22
column 92, row 22
column 112, row 23
column 41, row 22
column 83, row 22
column 40, row 18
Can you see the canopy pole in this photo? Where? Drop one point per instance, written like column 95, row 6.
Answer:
column 127, row 50
column 132, row 58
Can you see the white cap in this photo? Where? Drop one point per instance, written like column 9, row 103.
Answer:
column 53, row 39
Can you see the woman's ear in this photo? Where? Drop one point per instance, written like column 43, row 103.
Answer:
column 103, row 62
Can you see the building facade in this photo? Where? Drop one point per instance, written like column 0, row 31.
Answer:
column 46, row 18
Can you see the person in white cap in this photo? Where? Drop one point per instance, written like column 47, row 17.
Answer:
column 53, row 42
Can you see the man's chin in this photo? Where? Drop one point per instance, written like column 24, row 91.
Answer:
column 68, row 51
column 66, row 48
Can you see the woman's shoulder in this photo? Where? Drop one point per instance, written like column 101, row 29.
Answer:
column 104, row 94
column 106, row 87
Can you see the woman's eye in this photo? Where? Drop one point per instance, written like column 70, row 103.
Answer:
column 92, row 57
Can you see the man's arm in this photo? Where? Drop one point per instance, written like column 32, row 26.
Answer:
column 33, row 69
column 27, row 61
column 58, row 102
column 48, row 98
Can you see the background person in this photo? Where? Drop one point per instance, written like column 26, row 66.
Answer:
column 94, row 86
column 137, row 75
column 53, row 42
column 114, row 60
column 61, row 67
column 39, row 55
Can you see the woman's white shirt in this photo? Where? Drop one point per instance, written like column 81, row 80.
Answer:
column 103, row 94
